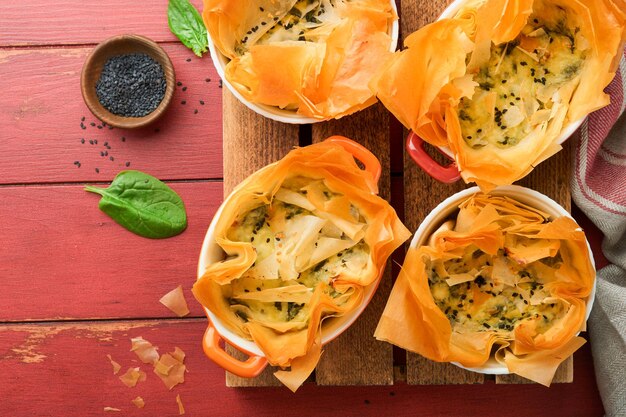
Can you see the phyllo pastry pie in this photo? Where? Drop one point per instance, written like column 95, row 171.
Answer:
column 514, row 74
column 315, row 57
column 302, row 239
column 500, row 282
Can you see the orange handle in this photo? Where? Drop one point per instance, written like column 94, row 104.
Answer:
column 360, row 152
column 248, row 369
column 415, row 148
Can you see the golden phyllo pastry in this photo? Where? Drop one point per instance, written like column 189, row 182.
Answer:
column 302, row 239
column 313, row 56
column 500, row 81
column 502, row 281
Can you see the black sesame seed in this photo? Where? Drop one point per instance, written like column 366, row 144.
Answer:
column 95, row 141
column 486, row 325
column 111, row 158
column 97, row 171
column 511, row 103
column 92, row 124
column 195, row 111
column 123, row 139
column 106, row 143
column 82, row 119
column 503, row 81
column 179, row 83
column 188, row 59
column 131, row 85
column 101, row 153
column 201, row 102
column 183, row 102
column 99, row 127
column 82, row 140
column 517, row 99
column 91, row 141
column 127, row 164
column 208, row 80
column 184, row 88
column 220, row 84
column 261, row 9
column 479, row 130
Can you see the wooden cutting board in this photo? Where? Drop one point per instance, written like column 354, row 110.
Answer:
column 356, row 358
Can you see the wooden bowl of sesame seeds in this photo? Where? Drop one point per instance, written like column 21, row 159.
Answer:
column 128, row 81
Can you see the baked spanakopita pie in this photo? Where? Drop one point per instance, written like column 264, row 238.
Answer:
column 302, row 239
column 315, row 57
column 498, row 83
column 501, row 280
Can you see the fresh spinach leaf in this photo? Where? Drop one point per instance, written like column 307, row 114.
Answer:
column 143, row 204
column 186, row 23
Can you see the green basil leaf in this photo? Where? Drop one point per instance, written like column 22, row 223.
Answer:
column 143, row 204
column 186, row 23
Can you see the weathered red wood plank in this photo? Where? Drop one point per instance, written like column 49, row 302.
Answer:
column 41, row 111
column 61, row 257
column 34, row 22
column 61, row 369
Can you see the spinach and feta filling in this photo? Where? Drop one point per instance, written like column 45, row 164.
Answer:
column 518, row 85
column 299, row 249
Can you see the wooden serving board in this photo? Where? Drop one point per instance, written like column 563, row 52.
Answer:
column 356, row 358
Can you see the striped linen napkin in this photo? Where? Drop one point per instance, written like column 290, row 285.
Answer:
column 599, row 190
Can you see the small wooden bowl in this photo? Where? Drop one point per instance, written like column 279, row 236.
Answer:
column 121, row 45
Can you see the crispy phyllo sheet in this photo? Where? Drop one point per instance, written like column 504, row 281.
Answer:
column 138, row 402
column 171, row 369
column 302, row 240
column 132, row 376
column 504, row 282
column 144, row 350
column 175, row 301
column 313, row 56
column 116, row 366
column 181, row 409
column 513, row 76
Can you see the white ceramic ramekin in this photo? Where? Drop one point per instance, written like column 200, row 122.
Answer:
column 274, row 112
column 450, row 173
column 446, row 209
column 211, row 252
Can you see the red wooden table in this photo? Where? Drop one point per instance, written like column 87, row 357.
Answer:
column 77, row 287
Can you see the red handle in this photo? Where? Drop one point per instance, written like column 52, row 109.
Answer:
column 360, row 152
column 415, row 147
column 247, row 369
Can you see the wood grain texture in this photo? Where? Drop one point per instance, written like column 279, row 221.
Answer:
column 42, row 111
column 422, row 194
column 61, row 369
column 81, row 22
column 62, row 258
column 250, row 143
column 356, row 357
column 550, row 178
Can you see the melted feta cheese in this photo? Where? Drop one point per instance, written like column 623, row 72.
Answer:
column 516, row 88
